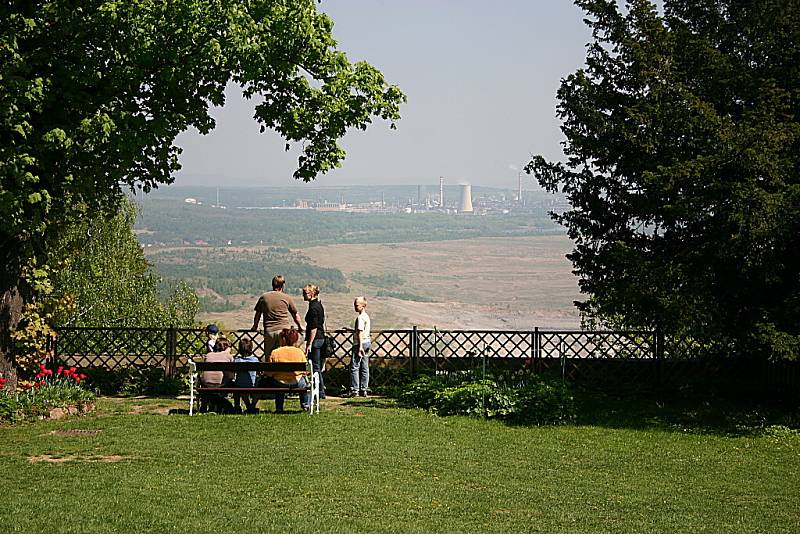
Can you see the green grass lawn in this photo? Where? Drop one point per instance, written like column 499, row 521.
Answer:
column 366, row 466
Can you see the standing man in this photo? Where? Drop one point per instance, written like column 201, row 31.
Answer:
column 278, row 311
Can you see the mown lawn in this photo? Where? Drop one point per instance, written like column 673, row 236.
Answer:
column 366, row 466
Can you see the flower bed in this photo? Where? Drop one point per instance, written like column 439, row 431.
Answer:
column 51, row 394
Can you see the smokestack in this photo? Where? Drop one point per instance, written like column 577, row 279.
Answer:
column 466, row 198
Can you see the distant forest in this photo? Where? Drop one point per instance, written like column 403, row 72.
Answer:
column 242, row 273
column 168, row 222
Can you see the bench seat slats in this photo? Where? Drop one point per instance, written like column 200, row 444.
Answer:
column 271, row 367
column 252, row 391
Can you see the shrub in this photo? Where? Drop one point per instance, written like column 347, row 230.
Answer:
column 421, row 393
column 521, row 398
column 105, row 381
column 481, row 398
column 9, row 406
column 136, row 380
column 545, row 401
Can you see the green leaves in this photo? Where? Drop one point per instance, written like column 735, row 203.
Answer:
column 100, row 92
column 529, row 399
column 682, row 168
column 94, row 94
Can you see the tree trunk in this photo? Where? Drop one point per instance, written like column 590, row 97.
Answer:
column 11, row 306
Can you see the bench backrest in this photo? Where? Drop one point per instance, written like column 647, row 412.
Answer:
column 269, row 367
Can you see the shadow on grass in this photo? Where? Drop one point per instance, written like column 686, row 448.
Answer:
column 689, row 409
column 369, row 402
column 683, row 410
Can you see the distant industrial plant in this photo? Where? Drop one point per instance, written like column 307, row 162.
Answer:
column 402, row 199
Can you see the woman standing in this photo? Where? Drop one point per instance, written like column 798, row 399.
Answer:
column 315, row 332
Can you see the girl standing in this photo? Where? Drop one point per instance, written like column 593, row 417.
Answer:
column 315, row 332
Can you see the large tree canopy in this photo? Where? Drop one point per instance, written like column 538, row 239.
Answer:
column 93, row 94
column 683, row 169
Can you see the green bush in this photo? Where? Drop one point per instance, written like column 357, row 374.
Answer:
column 9, row 406
column 545, row 401
column 525, row 399
column 136, row 380
column 482, row 398
column 421, row 393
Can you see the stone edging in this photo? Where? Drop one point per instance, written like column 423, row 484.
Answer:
column 75, row 409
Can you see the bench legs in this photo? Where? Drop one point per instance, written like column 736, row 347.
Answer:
column 314, row 400
column 192, row 374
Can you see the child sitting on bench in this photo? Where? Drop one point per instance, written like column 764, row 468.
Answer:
column 245, row 379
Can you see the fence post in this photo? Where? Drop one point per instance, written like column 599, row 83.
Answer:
column 483, row 354
column 413, row 347
column 435, row 351
column 535, row 349
column 172, row 338
column 659, row 350
column 52, row 348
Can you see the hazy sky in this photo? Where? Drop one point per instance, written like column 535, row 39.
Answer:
column 480, row 77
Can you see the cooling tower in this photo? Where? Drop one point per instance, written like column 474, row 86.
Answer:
column 466, row 199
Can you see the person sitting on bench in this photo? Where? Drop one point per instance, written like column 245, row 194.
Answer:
column 287, row 352
column 245, row 379
column 217, row 379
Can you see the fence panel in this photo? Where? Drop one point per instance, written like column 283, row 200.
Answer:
column 390, row 360
column 458, row 350
column 573, row 353
column 111, row 348
column 398, row 355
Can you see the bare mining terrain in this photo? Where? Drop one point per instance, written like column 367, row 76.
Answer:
column 513, row 283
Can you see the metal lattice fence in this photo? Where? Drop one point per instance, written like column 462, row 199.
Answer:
column 398, row 355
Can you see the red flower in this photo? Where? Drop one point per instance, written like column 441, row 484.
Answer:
column 60, row 369
column 42, row 367
column 2, row 383
column 37, row 385
column 72, row 370
column 83, row 376
column 47, row 372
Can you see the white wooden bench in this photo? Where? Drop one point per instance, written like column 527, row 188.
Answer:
column 263, row 369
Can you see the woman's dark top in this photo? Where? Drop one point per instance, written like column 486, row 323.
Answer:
column 315, row 318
